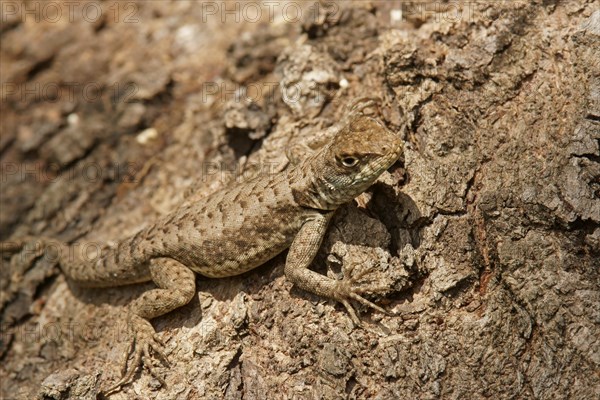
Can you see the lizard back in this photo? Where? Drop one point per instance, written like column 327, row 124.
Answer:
column 232, row 231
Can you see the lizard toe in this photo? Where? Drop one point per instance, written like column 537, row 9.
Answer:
column 346, row 291
column 143, row 345
column 147, row 361
column 351, row 312
column 366, row 302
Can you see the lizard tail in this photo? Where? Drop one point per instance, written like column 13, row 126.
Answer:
column 87, row 263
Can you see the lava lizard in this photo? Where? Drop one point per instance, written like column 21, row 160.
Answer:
column 235, row 230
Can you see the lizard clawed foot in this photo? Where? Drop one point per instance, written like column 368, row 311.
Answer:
column 346, row 291
column 143, row 340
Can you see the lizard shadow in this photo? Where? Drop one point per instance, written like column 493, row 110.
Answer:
column 250, row 282
column 400, row 215
column 385, row 215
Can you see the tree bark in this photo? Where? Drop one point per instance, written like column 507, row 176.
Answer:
column 486, row 233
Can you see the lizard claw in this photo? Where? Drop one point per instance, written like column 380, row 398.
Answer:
column 347, row 291
column 144, row 340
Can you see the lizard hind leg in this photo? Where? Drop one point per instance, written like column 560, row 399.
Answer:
column 176, row 287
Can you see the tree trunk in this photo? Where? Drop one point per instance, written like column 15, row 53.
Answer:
column 486, row 233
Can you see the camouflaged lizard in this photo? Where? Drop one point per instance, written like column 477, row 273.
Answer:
column 237, row 229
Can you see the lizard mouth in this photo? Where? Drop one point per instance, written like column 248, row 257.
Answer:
column 388, row 160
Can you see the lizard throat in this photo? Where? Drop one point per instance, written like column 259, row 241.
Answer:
column 319, row 195
column 315, row 190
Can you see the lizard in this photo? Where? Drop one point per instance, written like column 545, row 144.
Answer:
column 286, row 210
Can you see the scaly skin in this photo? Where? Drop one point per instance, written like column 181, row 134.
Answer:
column 237, row 229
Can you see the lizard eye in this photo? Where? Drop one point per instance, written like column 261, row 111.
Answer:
column 349, row 161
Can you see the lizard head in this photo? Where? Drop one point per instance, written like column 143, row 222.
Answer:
column 360, row 152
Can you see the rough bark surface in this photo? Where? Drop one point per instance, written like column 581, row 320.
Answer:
column 487, row 232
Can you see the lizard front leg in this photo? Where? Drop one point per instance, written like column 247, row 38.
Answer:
column 300, row 256
column 177, row 286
